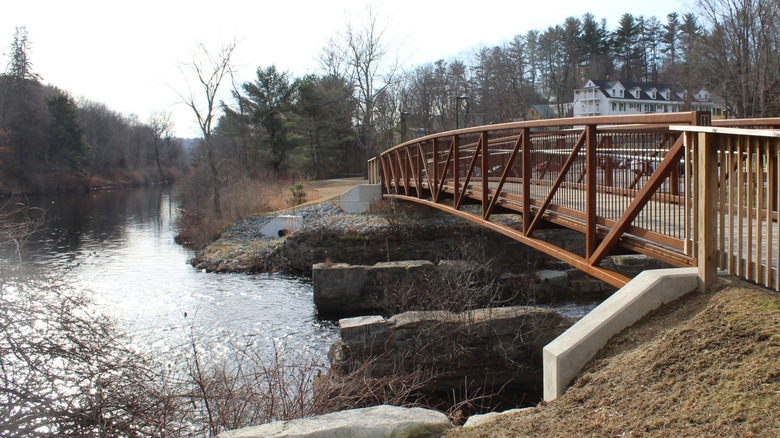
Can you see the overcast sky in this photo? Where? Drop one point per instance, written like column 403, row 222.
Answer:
column 128, row 55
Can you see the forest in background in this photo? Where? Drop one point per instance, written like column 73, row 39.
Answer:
column 364, row 99
column 53, row 142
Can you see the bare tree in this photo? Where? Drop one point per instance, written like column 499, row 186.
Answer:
column 162, row 134
column 742, row 43
column 365, row 59
column 208, row 70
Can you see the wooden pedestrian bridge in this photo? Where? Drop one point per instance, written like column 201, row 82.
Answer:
column 675, row 186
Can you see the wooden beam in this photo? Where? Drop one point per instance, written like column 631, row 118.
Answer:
column 707, row 220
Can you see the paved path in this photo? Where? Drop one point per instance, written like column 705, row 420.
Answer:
column 330, row 188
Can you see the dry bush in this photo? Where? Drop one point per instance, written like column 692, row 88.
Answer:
column 248, row 387
column 66, row 371
column 240, row 197
column 368, row 383
column 398, row 218
column 468, row 280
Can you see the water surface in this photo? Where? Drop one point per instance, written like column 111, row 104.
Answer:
column 118, row 246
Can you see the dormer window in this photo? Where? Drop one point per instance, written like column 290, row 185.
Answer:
column 621, row 93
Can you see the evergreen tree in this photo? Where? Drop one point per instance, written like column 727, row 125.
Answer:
column 324, row 110
column 625, row 42
column 593, row 48
column 67, row 145
column 269, row 101
column 671, row 34
column 20, row 67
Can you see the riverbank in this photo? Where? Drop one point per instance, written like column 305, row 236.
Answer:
column 330, row 235
column 705, row 365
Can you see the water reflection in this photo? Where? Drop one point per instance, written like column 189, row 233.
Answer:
column 118, row 245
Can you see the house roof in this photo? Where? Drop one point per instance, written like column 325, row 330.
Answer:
column 676, row 93
column 545, row 111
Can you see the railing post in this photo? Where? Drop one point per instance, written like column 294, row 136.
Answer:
column 484, row 174
column 590, row 190
column 526, row 181
column 455, row 168
column 435, row 171
column 707, row 211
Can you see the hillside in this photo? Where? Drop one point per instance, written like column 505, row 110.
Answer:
column 706, row 365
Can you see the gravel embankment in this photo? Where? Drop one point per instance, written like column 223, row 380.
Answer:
column 243, row 248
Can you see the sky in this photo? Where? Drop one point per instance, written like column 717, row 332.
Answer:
column 129, row 55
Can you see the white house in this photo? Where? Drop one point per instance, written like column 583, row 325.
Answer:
column 600, row 98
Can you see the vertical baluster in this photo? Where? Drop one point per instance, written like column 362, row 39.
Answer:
column 776, row 185
column 759, row 206
column 732, row 162
column 692, row 193
column 751, row 184
column 722, row 190
column 740, row 205
column 590, row 209
column 768, row 214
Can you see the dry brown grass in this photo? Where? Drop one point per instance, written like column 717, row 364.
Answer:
column 240, row 197
column 707, row 365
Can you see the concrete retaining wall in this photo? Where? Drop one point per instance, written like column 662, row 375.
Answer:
column 358, row 199
column 495, row 346
column 565, row 356
column 282, row 225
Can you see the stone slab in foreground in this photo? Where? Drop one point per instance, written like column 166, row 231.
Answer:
column 373, row 422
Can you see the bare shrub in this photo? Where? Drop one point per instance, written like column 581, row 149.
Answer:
column 398, row 219
column 240, row 196
column 362, row 384
column 468, row 280
column 65, row 370
column 251, row 386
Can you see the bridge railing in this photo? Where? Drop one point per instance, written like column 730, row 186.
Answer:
column 619, row 180
column 664, row 185
column 736, row 189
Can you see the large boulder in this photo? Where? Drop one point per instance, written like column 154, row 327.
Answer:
column 374, row 422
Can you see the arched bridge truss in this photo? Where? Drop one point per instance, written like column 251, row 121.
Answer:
column 638, row 183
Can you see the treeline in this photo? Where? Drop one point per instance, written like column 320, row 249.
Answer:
column 50, row 141
column 732, row 47
column 364, row 102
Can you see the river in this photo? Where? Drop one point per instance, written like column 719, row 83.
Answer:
column 118, row 247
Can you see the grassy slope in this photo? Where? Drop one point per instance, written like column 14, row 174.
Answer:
column 706, row 365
